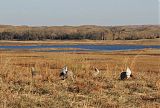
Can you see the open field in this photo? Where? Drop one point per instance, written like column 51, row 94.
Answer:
column 77, row 42
column 19, row 89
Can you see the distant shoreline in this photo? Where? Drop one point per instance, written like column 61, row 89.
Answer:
column 27, row 33
column 82, row 42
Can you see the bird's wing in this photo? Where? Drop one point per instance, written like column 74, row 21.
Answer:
column 97, row 70
column 128, row 71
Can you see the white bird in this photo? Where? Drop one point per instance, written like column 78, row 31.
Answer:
column 127, row 74
column 63, row 73
column 96, row 72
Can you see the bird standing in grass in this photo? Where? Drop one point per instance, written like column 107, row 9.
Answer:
column 126, row 75
column 96, row 72
column 33, row 71
column 63, row 73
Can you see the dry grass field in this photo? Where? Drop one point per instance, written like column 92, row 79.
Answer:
column 19, row 89
column 84, row 41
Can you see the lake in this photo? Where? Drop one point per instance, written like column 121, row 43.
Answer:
column 83, row 47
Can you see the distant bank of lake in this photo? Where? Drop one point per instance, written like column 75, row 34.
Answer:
column 82, row 47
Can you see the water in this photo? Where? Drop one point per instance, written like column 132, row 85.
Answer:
column 83, row 47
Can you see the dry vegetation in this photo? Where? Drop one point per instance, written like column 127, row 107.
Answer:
column 90, row 32
column 18, row 89
column 82, row 42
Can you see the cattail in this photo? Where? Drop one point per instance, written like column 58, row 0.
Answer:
column 126, row 75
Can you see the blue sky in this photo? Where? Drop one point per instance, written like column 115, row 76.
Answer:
column 79, row 12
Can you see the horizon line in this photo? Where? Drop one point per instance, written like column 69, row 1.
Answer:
column 118, row 25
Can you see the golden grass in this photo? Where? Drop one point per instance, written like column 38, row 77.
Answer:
column 85, row 41
column 19, row 89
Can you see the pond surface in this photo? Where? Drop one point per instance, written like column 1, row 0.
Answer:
column 83, row 47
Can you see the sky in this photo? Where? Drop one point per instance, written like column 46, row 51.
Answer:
column 79, row 12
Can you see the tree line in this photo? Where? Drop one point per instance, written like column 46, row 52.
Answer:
column 79, row 32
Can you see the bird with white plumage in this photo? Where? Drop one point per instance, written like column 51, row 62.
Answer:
column 126, row 74
column 63, row 73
